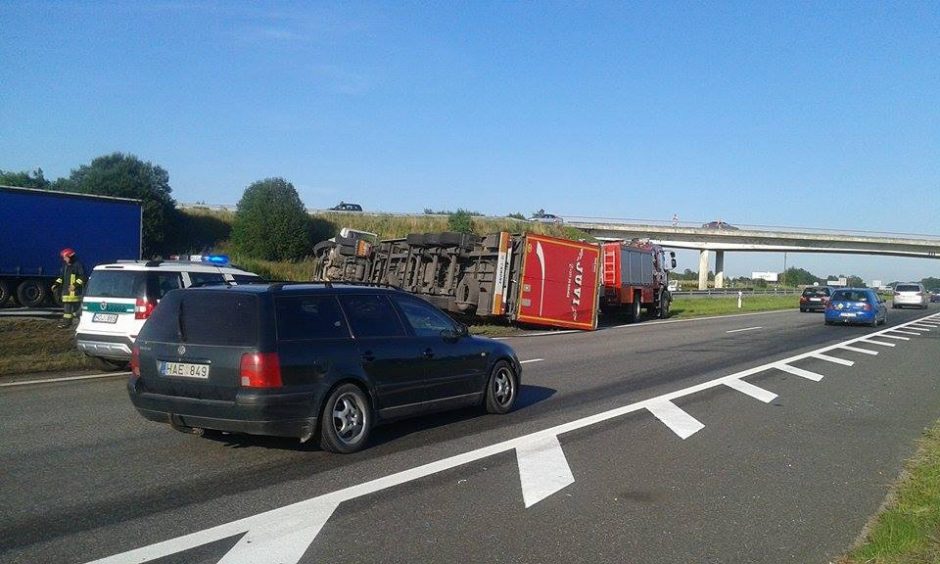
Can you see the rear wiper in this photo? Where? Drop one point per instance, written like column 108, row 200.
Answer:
column 180, row 328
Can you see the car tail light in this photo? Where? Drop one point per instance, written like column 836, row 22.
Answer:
column 135, row 361
column 260, row 370
column 143, row 308
column 866, row 307
column 803, row 299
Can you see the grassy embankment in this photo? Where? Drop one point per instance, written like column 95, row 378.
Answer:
column 38, row 345
column 907, row 531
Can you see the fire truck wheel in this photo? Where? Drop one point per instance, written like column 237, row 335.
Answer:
column 665, row 304
column 501, row 388
column 633, row 314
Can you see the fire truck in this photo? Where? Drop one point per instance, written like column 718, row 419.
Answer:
column 635, row 275
column 533, row 279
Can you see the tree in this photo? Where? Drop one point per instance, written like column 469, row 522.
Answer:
column 125, row 176
column 25, row 179
column 271, row 222
column 931, row 283
column 460, row 221
column 798, row 277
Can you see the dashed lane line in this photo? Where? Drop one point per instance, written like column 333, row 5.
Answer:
column 288, row 531
column 859, row 350
column 880, row 343
column 745, row 329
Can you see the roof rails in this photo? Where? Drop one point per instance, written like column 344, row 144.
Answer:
column 277, row 285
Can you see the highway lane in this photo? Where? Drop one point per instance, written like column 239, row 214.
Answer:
column 90, row 478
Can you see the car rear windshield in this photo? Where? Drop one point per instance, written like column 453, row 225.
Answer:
column 907, row 288
column 815, row 292
column 115, row 284
column 205, row 318
column 851, row 296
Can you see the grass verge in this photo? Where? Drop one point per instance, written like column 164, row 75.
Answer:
column 700, row 307
column 38, row 345
column 908, row 528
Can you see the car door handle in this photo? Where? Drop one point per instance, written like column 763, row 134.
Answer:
column 368, row 356
column 428, row 353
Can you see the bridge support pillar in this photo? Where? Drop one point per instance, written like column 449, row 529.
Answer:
column 719, row 269
column 703, row 270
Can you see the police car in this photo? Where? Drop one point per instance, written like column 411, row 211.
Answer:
column 121, row 296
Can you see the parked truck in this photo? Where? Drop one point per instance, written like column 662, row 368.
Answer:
column 36, row 224
column 526, row 278
column 635, row 276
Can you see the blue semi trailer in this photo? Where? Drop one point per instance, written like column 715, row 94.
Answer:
column 36, row 224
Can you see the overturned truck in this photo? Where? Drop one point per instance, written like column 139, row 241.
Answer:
column 526, row 278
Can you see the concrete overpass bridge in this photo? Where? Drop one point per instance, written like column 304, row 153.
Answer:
column 757, row 238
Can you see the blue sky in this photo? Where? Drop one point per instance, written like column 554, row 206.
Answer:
column 821, row 115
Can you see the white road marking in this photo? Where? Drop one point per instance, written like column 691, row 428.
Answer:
column 799, row 372
column 664, row 321
column 750, row 389
column 833, row 359
column 672, row 415
column 887, row 336
column 745, row 329
column 281, row 540
column 64, row 379
column 905, row 332
column 294, row 517
column 919, row 327
column 543, row 469
column 858, row 350
column 882, row 343
column 531, row 360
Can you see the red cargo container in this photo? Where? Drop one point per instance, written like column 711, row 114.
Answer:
column 559, row 282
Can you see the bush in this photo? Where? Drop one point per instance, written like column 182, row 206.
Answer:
column 271, row 222
column 460, row 221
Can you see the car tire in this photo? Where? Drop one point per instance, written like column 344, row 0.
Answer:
column 346, row 420
column 803, row 310
column 502, row 388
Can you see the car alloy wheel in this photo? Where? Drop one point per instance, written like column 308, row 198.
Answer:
column 347, row 420
column 501, row 388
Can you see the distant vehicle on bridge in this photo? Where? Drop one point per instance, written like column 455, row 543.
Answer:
column 346, row 206
column 542, row 217
column 719, row 225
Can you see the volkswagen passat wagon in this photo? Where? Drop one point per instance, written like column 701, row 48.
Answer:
column 312, row 360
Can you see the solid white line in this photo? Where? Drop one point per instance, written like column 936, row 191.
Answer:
column 858, row 350
column 905, row 332
column 291, row 517
column 665, row 321
column 531, row 360
column 751, row 390
column 882, row 343
column 746, row 329
column 672, row 415
column 799, row 372
column 834, row 359
column 543, row 469
column 887, row 336
column 64, row 379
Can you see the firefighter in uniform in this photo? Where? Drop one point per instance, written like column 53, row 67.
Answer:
column 72, row 283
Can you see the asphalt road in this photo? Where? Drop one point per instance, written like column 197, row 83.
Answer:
column 654, row 442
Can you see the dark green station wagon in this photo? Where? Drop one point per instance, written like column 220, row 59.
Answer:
column 313, row 360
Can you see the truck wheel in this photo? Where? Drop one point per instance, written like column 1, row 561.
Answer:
column 665, row 304
column 4, row 292
column 633, row 314
column 31, row 293
column 468, row 294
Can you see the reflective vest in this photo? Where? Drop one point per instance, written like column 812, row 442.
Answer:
column 73, row 275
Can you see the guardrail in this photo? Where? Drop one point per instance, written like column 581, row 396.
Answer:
column 732, row 292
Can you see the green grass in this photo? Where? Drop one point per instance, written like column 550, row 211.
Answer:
column 37, row 345
column 701, row 307
column 908, row 530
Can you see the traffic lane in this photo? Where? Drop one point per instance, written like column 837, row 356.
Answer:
column 790, row 481
column 366, row 532
column 595, row 370
column 195, row 473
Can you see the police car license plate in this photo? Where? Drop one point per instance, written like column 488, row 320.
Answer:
column 184, row 369
column 105, row 318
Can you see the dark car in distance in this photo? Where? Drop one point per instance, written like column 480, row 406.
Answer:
column 719, row 225
column 311, row 360
column 345, row 206
column 815, row 298
column 856, row 306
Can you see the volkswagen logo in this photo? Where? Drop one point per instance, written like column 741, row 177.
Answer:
column 181, row 350
column 104, row 306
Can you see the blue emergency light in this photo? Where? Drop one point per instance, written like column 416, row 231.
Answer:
column 216, row 260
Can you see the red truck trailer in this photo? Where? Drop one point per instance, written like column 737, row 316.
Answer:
column 527, row 278
column 635, row 276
